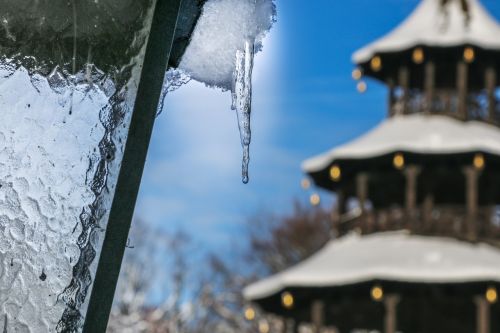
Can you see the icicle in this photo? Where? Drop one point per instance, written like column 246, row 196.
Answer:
column 242, row 100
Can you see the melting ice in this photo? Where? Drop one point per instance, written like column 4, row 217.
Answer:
column 220, row 54
column 174, row 79
column 242, row 100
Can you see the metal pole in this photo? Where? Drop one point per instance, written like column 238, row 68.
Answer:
column 158, row 49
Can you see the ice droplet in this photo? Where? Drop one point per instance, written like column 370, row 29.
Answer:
column 242, row 100
column 174, row 79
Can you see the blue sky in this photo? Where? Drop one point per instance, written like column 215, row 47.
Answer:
column 304, row 103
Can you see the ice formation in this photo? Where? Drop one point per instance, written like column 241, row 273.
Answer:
column 242, row 100
column 62, row 137
column 221, row 52
column 50, row 181
column 174, row 79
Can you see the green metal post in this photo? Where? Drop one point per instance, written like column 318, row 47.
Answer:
column 155, row 63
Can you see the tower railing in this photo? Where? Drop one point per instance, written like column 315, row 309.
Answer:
column 446, row 102
column 441, row 220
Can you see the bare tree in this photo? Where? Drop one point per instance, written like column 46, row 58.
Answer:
column 163, row 289
column 280, row 241
column 274, row 242
column 152, row 293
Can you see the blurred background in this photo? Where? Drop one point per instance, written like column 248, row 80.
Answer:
column 200, row 235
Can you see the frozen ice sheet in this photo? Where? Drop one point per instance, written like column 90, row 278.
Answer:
column 63, row 128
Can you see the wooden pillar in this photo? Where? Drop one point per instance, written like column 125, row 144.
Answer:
column 390, row 320
column 318, row 316
column 487, row 227
column 430, row 82
column 411, row 173
column 404, row 83
column 471, row 198
column 427, row 208
column 482, row 315
column 338, row 210
column 490, row 83
column 362, row 196
column 289, row 325
column 462, row 89
column 447, row 103
column 391, row 99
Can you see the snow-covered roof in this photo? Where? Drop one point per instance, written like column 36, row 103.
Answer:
column 389, row 256
column 432, row 24
column 418, row 133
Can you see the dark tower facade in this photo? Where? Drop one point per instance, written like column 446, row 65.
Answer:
column 432, row 166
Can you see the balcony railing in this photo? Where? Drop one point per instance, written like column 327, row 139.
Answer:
column 446, row 102
column 446, row 221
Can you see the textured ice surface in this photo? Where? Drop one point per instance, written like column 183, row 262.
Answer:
column 221, row 52
column 61, row 142
column 47, row 140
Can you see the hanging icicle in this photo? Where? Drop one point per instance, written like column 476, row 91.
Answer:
column 242, row 100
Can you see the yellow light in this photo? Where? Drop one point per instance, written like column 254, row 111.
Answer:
column 469, row 54
column 478, row 161
column 418, row 55
column 335, row 173
column 357, row 74
column 377, row 293
column 491, row 295
column 264, row 326
column 376, row 63
column 249, row 314
column 305, row 183
column 361, row 86
column 398, row 161
column 287, row 300
column 315, row 199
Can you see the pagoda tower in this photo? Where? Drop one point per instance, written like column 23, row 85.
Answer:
column 417, row 198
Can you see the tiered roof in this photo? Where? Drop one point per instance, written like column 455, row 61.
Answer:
column 435, row 24
column 417, row 133
column 390, row 256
